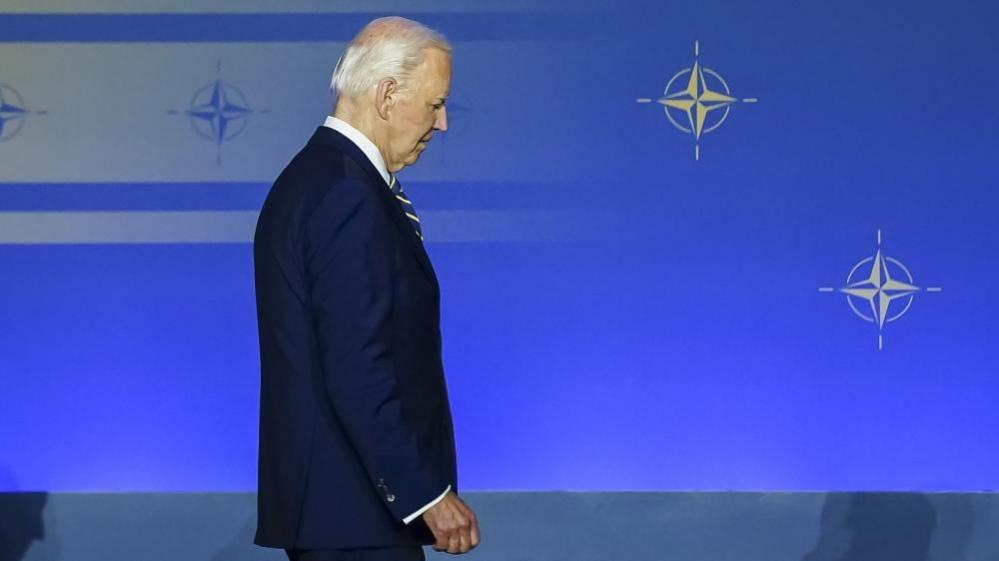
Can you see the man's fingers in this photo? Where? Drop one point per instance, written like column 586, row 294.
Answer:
column 472, row 525
column 441, row 544
column 469, row 533
column 447, row 539
column 474, row 533
column 454, row 526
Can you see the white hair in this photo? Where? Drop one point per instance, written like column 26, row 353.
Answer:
column 390, row 47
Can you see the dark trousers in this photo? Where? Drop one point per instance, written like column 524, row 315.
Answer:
column 372, row 554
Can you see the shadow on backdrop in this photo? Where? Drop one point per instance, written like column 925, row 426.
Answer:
column 875, row 527
column 20, row 523
column 241, row 546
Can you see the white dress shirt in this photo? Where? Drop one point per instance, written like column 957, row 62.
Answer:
column 371, row 151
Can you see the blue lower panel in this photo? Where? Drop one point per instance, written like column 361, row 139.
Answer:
column 538, row 526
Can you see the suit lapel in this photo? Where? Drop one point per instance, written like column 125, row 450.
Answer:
column 326, row 135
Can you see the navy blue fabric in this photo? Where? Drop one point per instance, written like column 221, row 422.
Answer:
column 369, row 554
column 355, row 424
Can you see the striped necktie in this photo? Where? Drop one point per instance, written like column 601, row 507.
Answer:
column 407, row 206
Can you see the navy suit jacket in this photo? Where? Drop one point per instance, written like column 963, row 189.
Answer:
column 355, row 424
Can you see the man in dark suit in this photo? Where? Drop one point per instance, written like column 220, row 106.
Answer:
column 357, row 457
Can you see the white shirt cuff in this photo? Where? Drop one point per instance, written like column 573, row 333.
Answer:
column 413, row 516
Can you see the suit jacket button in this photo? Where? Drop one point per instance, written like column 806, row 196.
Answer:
column 390, row 497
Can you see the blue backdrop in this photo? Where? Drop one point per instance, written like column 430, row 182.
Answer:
column 796, row 292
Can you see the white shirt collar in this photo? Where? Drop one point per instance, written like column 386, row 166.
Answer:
column 362, row 142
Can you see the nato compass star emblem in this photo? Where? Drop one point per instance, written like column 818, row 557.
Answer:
column 218, row 112
column 13, row 112
column 879, row 290
column 697, row 100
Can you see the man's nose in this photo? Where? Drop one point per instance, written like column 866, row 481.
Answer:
column 440, row 123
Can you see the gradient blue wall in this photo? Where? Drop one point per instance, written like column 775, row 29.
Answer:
column 616, row 313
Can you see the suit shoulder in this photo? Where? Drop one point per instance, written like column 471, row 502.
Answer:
column 316, row 176
column 346, row 198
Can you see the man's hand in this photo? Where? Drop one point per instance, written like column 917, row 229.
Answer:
column 453, row 524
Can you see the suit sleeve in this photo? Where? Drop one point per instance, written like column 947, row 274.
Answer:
column 350, row 265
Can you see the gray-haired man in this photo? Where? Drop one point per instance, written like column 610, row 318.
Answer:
column 357, row 456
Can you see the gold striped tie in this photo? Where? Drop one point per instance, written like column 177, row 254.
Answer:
column 407, row 206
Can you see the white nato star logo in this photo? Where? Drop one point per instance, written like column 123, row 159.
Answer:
column 879, row 290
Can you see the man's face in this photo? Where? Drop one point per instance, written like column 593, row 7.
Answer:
column 419, row 112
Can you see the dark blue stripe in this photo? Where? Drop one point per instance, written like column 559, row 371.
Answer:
column 116, row 28
column 426, row 195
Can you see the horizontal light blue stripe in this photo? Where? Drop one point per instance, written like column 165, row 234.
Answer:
column 213, row 227
column 437, row 195
column 131, row 196
column 118, row 28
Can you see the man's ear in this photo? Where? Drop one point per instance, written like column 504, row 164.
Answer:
column 385, row 96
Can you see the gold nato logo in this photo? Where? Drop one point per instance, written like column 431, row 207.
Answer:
column 697, row 100
column 879, row 289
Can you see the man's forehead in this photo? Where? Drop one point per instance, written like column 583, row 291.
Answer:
column 434, row 73
column 434, row 85
column 437, row 85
